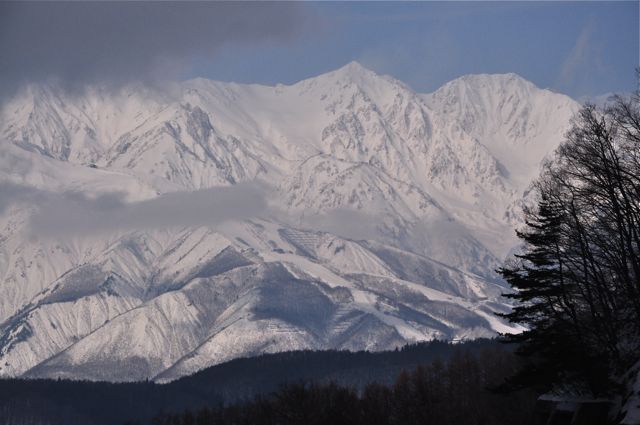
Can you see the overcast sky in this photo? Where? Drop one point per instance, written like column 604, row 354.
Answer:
column 578, row 48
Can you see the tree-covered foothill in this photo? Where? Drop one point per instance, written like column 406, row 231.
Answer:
column 457, row 391
column 453, row 380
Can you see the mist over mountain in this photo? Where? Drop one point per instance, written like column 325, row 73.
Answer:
column 152, row 233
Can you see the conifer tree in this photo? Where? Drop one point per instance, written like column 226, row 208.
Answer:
column 577, row 282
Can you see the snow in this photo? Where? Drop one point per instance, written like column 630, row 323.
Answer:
column 432, row 182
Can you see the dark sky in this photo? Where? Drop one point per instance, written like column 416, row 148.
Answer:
column 81, row 43
column 579, row 48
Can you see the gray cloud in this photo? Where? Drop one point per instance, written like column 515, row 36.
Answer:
column 583, row 64
column 75, row 213
column 12, row 193
column 577, row 57
column 79, row 43
column 345, row 222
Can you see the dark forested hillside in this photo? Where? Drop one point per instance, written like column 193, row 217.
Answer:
column 456, row 391
column 455, row 373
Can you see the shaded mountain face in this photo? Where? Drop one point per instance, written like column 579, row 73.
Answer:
column 385, row 215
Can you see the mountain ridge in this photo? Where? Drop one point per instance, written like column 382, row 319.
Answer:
column 389, row 208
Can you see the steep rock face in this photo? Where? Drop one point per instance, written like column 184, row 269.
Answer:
column 182, row 147
column 518, row 123
column 388, row 212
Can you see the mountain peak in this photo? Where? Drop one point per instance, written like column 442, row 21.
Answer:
column 491, row 81
column 354, row 67
column 433, row 182
column 356, row 75
column 352, row 71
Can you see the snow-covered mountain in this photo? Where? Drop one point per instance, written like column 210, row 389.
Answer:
column 383, row 215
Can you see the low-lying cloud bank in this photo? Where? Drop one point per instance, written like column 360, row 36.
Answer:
column 76, row 213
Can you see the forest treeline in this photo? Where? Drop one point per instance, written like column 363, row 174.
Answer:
column 238, row 382
column 458, row 391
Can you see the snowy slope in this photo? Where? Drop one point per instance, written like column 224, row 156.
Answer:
column 387, row 212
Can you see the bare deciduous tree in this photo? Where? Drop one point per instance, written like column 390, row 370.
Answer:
column 578, row 280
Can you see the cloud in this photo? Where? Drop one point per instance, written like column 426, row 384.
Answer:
column 12, row 193
column 79, row 43
column 583, row 63
column 577, row 57
column 11, row 163
column 76, row 213
column 345, row 222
